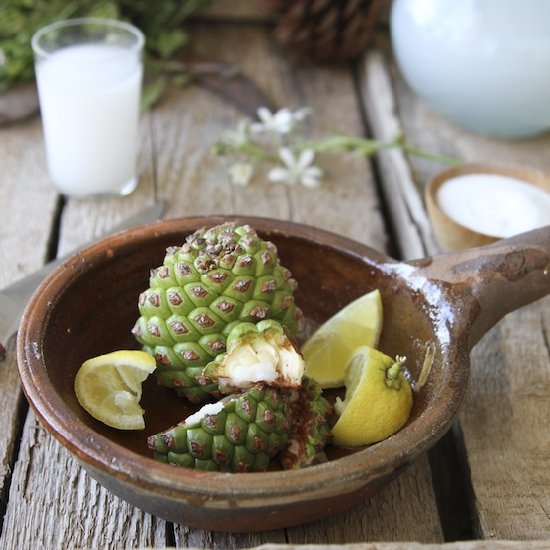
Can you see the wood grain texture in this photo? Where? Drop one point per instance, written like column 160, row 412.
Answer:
column 186, row 125
column 55, row 504
column 28, row 207
column 409, row 219
column 12, row 406
column 503, row 438
column 504, row 427
column 28, row 203
column 405, row 508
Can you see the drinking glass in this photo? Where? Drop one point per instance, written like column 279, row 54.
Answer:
column 89, row 73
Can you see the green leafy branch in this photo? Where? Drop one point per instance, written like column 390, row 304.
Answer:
column 160, row 21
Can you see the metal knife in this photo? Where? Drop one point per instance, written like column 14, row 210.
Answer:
column 14, row 298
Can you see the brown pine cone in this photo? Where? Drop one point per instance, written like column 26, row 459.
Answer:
column 325, row 30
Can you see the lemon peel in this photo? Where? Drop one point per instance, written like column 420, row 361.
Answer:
column 109, row 387
column 327, row 352
column 378, row 399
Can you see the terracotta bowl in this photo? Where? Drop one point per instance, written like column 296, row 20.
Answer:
column 452, row 235
column 435, row 311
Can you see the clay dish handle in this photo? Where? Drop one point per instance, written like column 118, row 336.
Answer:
column 501, row 277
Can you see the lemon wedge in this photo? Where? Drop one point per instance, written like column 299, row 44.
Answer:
column 328, row 351
column 109, row 387
column 378, row 399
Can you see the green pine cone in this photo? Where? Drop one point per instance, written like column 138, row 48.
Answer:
column 310, row 432
column 218, row 278
column 241, row 433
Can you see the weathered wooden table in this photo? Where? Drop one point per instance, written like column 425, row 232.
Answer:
column 487, row 481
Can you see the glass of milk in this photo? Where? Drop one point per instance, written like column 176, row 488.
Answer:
column 89, row 73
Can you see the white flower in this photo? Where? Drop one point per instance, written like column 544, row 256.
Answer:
column 241, row 173
column 281, row 122
column 297, row 169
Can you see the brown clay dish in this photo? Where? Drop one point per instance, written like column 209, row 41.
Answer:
column 435, row 311
column 450, row 234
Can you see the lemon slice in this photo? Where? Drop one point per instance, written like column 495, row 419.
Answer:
column 378, row 399
column 328, row 351
column 109, row 387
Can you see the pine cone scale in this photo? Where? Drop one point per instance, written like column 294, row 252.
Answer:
column 325, row 30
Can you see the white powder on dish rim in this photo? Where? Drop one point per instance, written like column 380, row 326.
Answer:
column 495, row 205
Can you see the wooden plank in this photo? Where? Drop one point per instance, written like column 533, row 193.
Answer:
column 409, row 219
column 59, row 505
column 504, row 427
column 67, row 506
column 12, row 408
column 198, row 538
column 186, row 125
column 502, row 420
column 388, row 516
column 28, row 203
column 28, row 206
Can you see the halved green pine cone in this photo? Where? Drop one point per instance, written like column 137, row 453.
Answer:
column 245, row 433
column 310, row 432
column 218, row 278
column 257, row 353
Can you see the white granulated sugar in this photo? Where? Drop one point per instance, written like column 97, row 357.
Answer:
column 494, row 205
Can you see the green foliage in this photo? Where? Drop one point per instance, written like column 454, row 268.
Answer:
column 160, row 21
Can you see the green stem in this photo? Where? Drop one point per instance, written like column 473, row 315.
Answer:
column 369, row 147
column 222, row 148
column 415, row 151
column 258, row 152
column 347, row 144
column 393, row 379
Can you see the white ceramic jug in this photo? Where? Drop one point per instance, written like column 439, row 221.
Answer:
column 485, row 64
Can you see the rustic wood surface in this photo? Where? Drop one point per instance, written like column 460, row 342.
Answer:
column 500, row 433
column 497, row 457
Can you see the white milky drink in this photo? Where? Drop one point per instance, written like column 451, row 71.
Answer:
column 89, row 100
column 88, row 74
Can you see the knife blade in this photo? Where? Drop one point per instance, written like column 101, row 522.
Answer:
column 14, row 298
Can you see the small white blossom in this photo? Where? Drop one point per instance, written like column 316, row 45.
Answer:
column 240, row 173
column 297, row 169
column 281, row 122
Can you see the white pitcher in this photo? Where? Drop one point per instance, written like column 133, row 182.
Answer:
column 485, row 64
